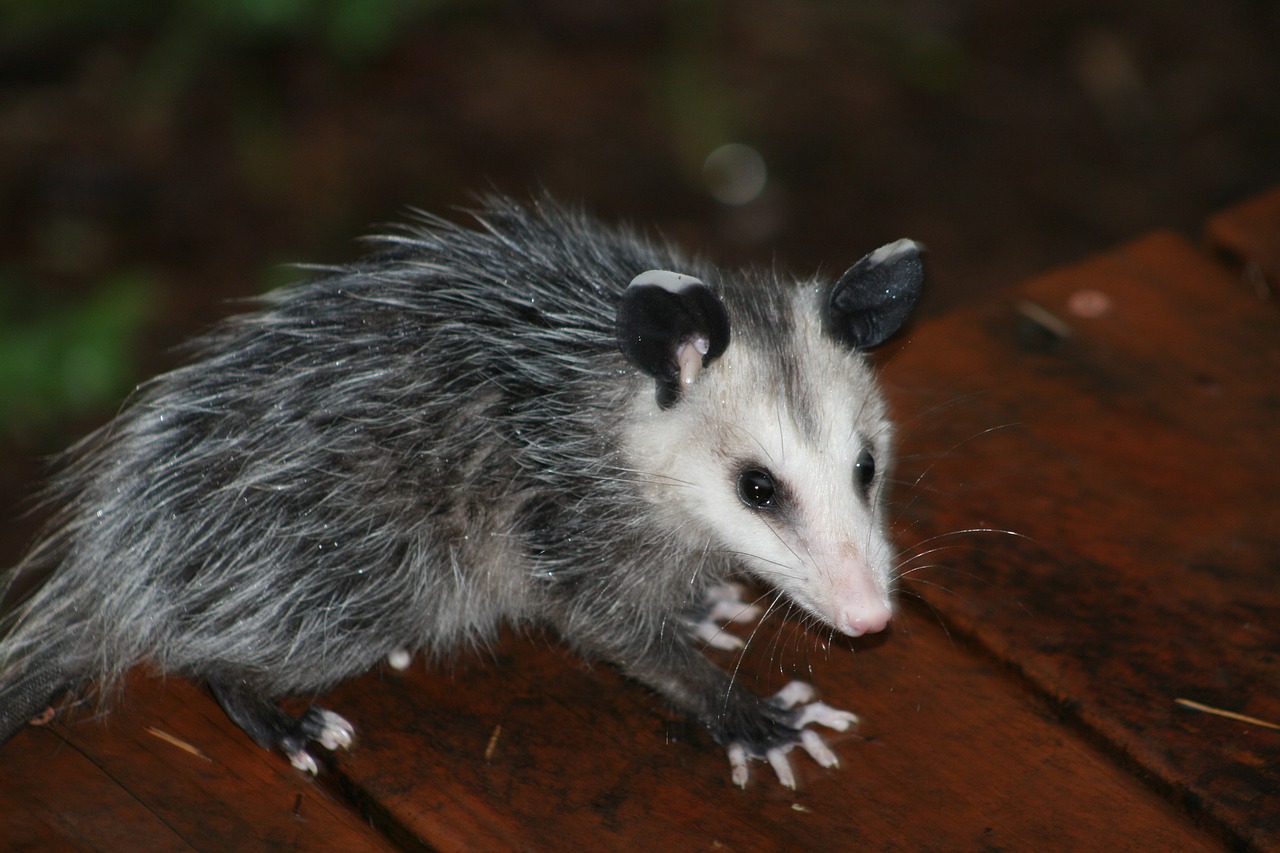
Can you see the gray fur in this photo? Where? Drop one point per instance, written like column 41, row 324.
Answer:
column 405, row 452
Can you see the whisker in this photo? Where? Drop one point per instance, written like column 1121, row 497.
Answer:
column 741, row 656
column 933, row 611
column 928, row 583
column 968, row 531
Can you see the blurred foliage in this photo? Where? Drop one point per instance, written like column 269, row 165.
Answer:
column 66, row 360
column 353, row 30
column 74, row 358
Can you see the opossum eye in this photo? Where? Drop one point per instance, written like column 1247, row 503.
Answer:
column 864, row 471
column 757, row 489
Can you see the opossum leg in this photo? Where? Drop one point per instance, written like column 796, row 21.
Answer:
column 724, row 603
column 747, row 726
column 271, row 728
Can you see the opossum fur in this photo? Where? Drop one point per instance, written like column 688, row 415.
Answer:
column 534, row 420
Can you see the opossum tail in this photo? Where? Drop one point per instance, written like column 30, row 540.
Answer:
column 29, row 693
column 35, row 650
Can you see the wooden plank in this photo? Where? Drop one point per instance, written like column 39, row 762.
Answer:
column 54, row 798
column 127, row 782
column 1120, row 417
column 1250, row 233
column 535, row 750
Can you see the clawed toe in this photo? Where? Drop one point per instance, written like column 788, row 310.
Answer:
column 793, row 694
column 727, row 605
column 824, row 715
column 818, row 750
column 781, row 765
column 716, row 637
column 738, row 770
column 724, row 605
column 302, row 760
column 334, row 732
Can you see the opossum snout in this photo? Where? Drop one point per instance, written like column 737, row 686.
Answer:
column 860, row 618
column 857, row 604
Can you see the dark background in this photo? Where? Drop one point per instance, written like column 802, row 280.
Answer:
column 159, row 158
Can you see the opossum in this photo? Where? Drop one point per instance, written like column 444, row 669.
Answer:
column 535, row 419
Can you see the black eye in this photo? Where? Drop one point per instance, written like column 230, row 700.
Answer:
column 864, row 471
column 757, row 489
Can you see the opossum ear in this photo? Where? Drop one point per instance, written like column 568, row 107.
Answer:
column 872, row 300
column 671, row 326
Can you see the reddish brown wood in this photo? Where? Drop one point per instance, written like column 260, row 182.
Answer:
column 951, row 756
column 115, row 785
column 53, row 797
column 1136, row 452
column 1250, row 232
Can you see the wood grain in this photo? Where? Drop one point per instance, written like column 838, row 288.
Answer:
column 948, row 757
column 112, row 784
column 1136, row 457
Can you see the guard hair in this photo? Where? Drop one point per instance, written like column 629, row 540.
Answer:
column 406, row 452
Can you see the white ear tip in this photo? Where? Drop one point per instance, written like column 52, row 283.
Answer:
column 672, row 282
column 889, row 251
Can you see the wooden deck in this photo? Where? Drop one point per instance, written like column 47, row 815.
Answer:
column 1119, row 418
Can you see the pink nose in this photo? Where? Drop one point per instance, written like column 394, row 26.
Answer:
column 863, row 618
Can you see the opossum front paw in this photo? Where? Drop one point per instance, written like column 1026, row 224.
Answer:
column 724, row 603
column 797, row 698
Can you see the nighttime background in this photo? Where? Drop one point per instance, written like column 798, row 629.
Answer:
column 160, row 158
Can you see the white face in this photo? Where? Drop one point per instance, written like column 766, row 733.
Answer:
column 785, row 476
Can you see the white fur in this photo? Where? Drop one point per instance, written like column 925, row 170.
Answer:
column 829, row 553
column 672, row 282
column 893, row 250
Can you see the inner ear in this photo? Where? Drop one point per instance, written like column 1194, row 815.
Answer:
column 872, row 299
column 671, row 326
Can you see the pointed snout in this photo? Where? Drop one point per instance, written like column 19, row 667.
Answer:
column 858, row 606
column 863, row 617
column 854, row 600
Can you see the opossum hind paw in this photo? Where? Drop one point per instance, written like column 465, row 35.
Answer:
column 327, row 728
column 318, row 726
column 272, row 728
column 304, row 762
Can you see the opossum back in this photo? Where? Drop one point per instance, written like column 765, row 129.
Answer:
column 354, row 467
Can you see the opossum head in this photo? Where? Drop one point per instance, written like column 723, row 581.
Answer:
column 774, row 448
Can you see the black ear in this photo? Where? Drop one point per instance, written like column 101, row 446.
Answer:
column 872, row 300
column 671, row 326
